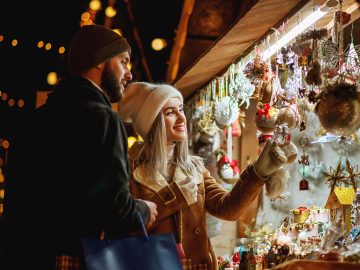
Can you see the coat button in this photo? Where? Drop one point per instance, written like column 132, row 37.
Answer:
column 197, row 231
column 168, row 196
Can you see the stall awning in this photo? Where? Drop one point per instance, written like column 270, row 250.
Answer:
column 245, row 32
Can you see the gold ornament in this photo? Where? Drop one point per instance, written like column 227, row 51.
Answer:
column 303, row 61
column 265, row 118
column 339, row 109
column 207, row 122
column 352, row 175
column 335, row 177
column 290, row 116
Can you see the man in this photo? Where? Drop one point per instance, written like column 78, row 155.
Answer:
column 68, row 173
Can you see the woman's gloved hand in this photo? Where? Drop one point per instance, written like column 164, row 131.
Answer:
column 270, row 159
column 189, row 189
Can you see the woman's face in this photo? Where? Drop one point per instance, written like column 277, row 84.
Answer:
column 175, row 121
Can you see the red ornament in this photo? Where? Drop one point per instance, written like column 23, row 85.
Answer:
column 236, row 258
column 233, row 163
column 304, row 185
column 345, row 17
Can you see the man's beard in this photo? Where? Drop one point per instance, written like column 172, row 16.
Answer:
column 111, row 85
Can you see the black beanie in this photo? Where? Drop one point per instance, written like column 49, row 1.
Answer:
column 92, row 45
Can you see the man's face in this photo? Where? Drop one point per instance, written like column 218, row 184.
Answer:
column 115, row 76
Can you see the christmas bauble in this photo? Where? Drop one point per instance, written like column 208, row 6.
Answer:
column 290, row 116
column 226, row 111
column 339, row 113
column 226, row 172
column 265, row 124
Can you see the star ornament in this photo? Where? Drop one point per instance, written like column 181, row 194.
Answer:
column 335, row 177
column 352, row 175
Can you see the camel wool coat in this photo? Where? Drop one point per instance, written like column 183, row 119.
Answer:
column 212, row 197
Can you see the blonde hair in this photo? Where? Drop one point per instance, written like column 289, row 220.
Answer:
column 153, row 155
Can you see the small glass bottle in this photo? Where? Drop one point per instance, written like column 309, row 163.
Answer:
column 251, row 260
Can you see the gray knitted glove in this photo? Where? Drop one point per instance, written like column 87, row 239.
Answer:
column 270, row 159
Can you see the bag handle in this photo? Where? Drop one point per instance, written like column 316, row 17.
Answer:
column 142, row 226
column 179, row 224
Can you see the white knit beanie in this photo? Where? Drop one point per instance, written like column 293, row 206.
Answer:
column 142, row 102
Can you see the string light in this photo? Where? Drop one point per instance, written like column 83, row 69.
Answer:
column 14, row 42
column 95, row 5
column 48, row 46
column 11, row 101
column 110, row 12
column 158, row 44
column 4, row 96
column 61, row 50
column 20, row 103
column 85, row 16
column 52, row 78
column 40, row 44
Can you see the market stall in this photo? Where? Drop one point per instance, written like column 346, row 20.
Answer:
column 285, row 68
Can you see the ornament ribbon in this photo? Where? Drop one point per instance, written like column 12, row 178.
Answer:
column 233, row 163
column 264, row 111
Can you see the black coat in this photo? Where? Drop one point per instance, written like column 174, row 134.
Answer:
column 68, row 177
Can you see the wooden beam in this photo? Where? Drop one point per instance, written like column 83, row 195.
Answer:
column 180, row 39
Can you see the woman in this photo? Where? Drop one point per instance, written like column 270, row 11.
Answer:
column 164, row 172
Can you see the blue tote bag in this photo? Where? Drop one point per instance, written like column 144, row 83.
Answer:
column 150, row 252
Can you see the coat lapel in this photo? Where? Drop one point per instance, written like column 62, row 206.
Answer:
column 159, row 182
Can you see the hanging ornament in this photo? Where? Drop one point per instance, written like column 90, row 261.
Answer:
column 258, row 72
column 304, row 161
column 330, row 55
column 351, row 174
column 206, row 123
column 339, row 109
column 226, row 111
column 352, row 58
column 345, row 17
column 303, row 61
column 289, row 115
column 228, row 170
column 243, row 89
column 335, row 177
column 282, row 136
column 265, row 117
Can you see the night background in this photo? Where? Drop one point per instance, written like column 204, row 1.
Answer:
column 24, row 67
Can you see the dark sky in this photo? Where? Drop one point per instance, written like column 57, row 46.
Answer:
column 24, row 68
